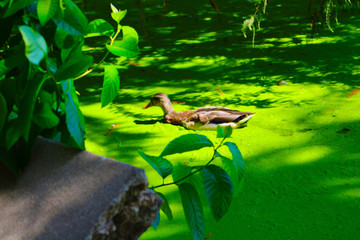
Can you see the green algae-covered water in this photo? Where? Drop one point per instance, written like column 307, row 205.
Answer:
column 301, row 149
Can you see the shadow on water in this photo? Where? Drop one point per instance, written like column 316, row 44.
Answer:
column 302, row 164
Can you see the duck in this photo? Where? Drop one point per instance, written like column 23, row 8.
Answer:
column 204, row 118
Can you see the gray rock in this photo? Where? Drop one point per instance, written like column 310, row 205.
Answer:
column 66, row 193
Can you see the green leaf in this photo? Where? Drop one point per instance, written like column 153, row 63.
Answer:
column 161, row 165
column 73, row 51
column 99, row 27
column 27, row 104
column 74, row 67
column 75, row 17
column 128, row 46
column 220, row 132
column 111, row 85
column 218, row 189
column 63, row 39
column 45, row 117
column 113, row 8
column 186, row 143
column 193, row 210
column 228, row 131
column 229, row 167
column 156, row 221
column 3, row 3
column 223, row 133
column 74, row 119
column 116, row 14
column 10, row 62
column 3, row 111
column 179, row 172
column 165, row 207
column 237, row 159
column 16, row 5
column 47, row 9
column 12, row 135
column 35, row 44
column 73, row 20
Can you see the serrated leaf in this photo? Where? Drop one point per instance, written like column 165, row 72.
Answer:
column 3, row 111
column 186, row 143
column 35, row 44
column 193, row 210
column 74, row 67
column 218, row 189
column 128, row 46
column 156, row 221
column 74, row 119
column 237, row 159
column 165, row 207
column 111, row 85
column 161, row 165
column 16, row 5
column 47, row 9
column 179, row 172
column 220, row 132
column 99, row 27
column 118, row 16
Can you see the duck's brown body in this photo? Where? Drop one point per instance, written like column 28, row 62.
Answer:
column 202, row 118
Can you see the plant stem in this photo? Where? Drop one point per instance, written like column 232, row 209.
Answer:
column 192, row 173
column 52, row 76
column 103, row 59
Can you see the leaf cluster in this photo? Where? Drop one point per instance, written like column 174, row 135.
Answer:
column 219, row 180
column 40, row 58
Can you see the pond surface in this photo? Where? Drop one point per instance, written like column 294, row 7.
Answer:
column 301, row 149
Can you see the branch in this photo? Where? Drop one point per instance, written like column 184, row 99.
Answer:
column 103, row 59
column 192, row 173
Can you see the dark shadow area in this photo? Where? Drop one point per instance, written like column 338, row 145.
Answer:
column 146, row 122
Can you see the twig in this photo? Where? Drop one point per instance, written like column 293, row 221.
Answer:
column 192, row 173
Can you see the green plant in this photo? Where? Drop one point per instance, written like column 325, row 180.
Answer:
column 41, row 57
column 219, row 180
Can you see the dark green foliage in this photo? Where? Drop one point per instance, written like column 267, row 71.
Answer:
column 165, row 207
column 156, row 221
column 218, row 190
column 193, row 210
column 218, row 183
column 111, row 85
column 41, row 56
column 237, row 159
column 161, row 165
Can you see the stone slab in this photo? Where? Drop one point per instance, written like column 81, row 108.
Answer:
column 66, row 193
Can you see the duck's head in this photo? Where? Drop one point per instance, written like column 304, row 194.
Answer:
column 161, row 100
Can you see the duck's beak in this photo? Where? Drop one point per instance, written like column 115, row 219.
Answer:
column 147, row 105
